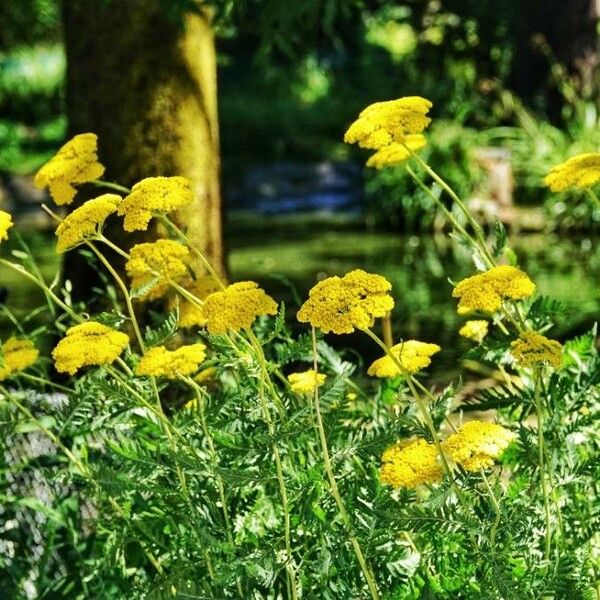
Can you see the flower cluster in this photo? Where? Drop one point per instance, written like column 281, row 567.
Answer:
column 15, row 356
column 485, row 291
column 153, row 196
column 153, row 266
column 237, row 306
column 75, row 163
column 5, row 224
column 410, row 463
column 86, row 221
column 579, row 172
column 343, row 304
column 306, row 382
column 532, row 349
column 192, row 314
column 88, row 344
column 160, row 362
column 477, row 444
column 474, row 330
column 395, row 153
column 412, row 356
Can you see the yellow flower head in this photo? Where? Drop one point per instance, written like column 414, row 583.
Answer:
column 153, row 196
column 306, row 382
column 412, row 355
column 485, row 291
column 579, row 172
column 190, row 314
column 394, row 153
column 87, row 344
column 86, row 221
column 477, row 444
column 153, row 264
column 76, row 162
column 5, row 224
column 160, row 362
column 343, row 304
column 383, row 123
column 474, row 330
column 531, row 349
column 237, row 306
column 410, row 463
column 15, row 356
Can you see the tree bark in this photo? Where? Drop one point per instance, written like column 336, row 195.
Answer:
column 147, row 87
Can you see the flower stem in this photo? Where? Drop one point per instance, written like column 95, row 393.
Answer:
column 111, row 186
column 496, row 508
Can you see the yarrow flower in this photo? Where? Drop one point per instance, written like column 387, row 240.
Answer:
column 410, row 463
column 153, row 196
column 160, row 362
column 306, row 382
column 343, row 304
column 474, row 330
column 86, row 221
column 152, row 266
column 383, row 123
column 15, row 356
column 190, row 313
column 237, row 306
column 88, row 344
column 394, row 154
column 579, row 172
column 477, row 444
column 485, row 291
column 412, row 355
column 531, row 349
column 75, row 163
column 5, row 224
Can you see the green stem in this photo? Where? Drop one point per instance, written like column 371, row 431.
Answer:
column 47, row 382
column 497, row 511
column 111, row 186
column 593, row 196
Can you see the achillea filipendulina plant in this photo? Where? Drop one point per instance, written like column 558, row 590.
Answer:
column 5, row 224
column 16, row 355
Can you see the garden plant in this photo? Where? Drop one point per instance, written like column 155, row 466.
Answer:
column 201, row 440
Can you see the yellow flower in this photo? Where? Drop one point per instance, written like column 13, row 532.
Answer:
column 485, row 291
column 474, row 330
column 394, row 153
column 160, row 362
column 579, row 172
column 383, row 123
column 237, row 306
column 306, row 382
column 76, row 162
column 87, row 344
column 16, row 355
column 532, row 349
column 412, row 355
column 86, row 221
column 153, row 196
column 410, row 463
column 477, row 444
column 351, row 396
column 343, row 304
column 5, row 224
column 190, row 314
column 152, row 266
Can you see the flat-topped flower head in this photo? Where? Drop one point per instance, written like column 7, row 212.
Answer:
column 5, row 224
column 160, row 362
column 306, row 382
column 15, row 356
column 153, row 266
column 409, row 464
column 395, row 154
column 411, row 354
column 192, row 314
column 474, row 330
column 343, row 304
column 85, row 222
column 154, row 196
column 237, row 307
column 384, row 123
column 579, row 172
column 88, row 344
column 485, row 292
column 75, row 163
column 533, row 349
column 477, row 444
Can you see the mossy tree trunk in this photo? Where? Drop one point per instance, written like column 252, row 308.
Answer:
column 147, row 87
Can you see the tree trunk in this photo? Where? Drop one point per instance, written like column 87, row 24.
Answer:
column 147, row 87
